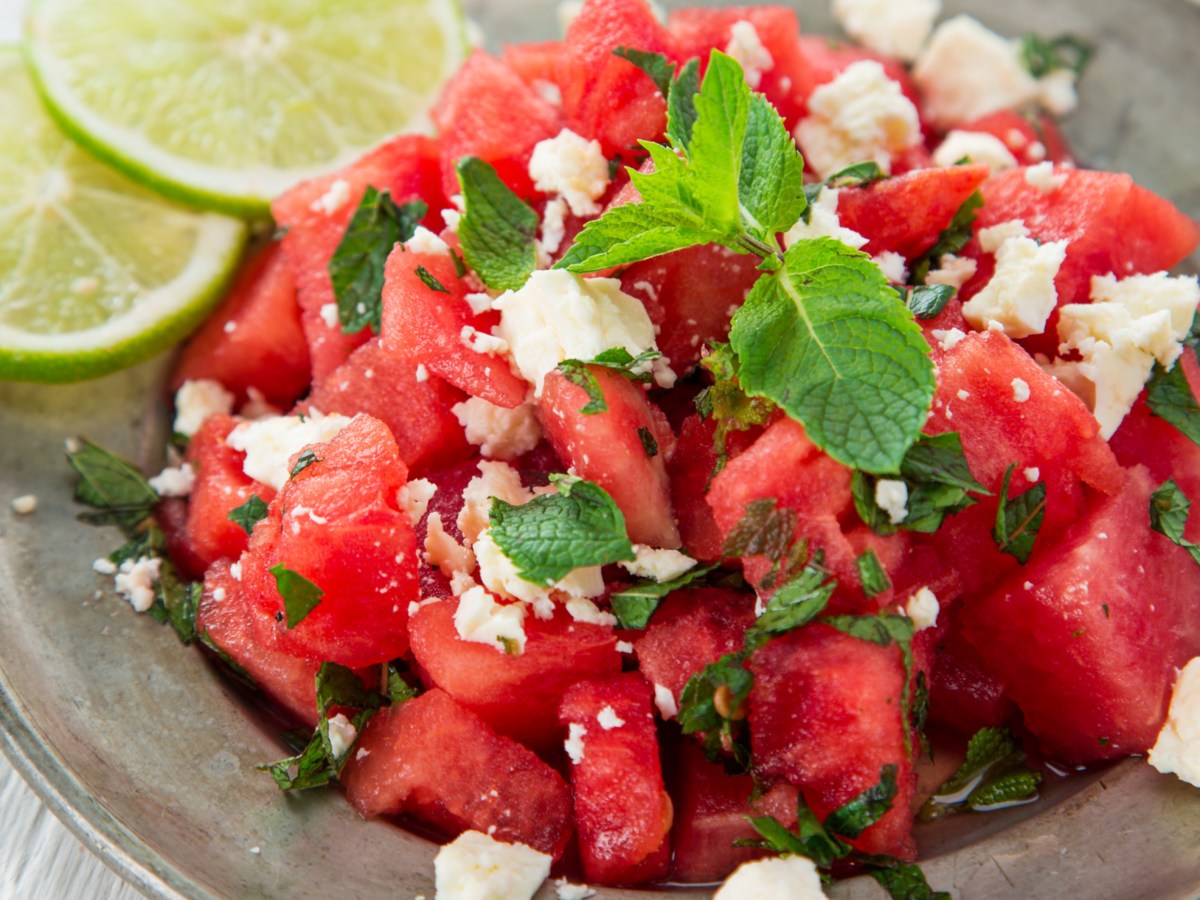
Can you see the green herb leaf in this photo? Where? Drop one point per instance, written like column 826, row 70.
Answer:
column 765, row 529
column 634, row 606
column 1044, row 55
column 928, row 301
column 249, row 513
column 713, row 703
column 906, row 881
column 303, row 461
column 858, row 175
column 554, row 534
column 180, row 600
column 649, row 444
column 340, row 686
column 727, row 403
column 356, row 269
column 776, row 837
column 300, row 596
column 660, row 69
column 860, row 813
column 872, row 575
column 953, row 238
column 398, row 688
column 1170, row 396
column 794, row 604
column 992, row 776
column 430, row 281
column 112, row 486
column 1169, row 508
column 498, row 230
column 1019, row 518
column 825, row 339
column 681, row 105
column 618, row 359
column 771, row 182
column 1011, row 789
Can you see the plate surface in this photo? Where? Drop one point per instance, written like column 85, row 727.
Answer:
column 149, row 755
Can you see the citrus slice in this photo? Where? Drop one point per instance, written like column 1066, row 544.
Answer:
column 226, row 105
column 96, row 272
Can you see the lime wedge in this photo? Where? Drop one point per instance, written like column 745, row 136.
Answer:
column 226, row 105
column 96, row 271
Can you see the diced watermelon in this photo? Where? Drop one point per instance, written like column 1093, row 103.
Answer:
column 227, row 619
column 315, row 215
column 254, row 338
column 690, row 470
column 386, row 386
column 906, row 214
column 1145, row 439
column 605, row 97
column 517, row 696
column 825, row 715
column 425, row 327
column 1086, row 649
column 220, row 487
column 623, row 813
column 690, row 296
column 824, row 60
column 436, row 761
column 336, row 523
column 534, row 62
column 477, row 115
column 963, row 695
column 1031, row 142
column 611, row 449
column 690, row 629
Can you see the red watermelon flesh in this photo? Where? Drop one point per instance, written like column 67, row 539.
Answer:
column 1145, row 439
column 534, row 62
column 254, row 339
column 825, row 60
column 315, row 215
column 438, row 762
column 1030, row 142
column 623, row 813
column 963, row 695
column 1087, row 649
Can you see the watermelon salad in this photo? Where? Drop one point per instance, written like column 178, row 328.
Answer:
column 629, row 481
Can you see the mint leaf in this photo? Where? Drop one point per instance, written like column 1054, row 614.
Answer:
column 1011, row 789
column 630, row 233
column 771, row 181
column 430, row 281
column 660, row 69
column 776, row 837
column 649, row 444
column 992, row 775
column 928, row 300
column 906, row 881
column 1042, row 56
column 577, row 372
column 713, row 703
column 112, row 486
column 398, row 688
column 858, row 175
column 498, row 230
column 303, row 461
column 1170, row 396
column 249, row 513
column 810, row 839
column 797, row 602
column 768, row 531
column 554, row 534
column 825, row 339
column 681, row 105
column 300, row 596
column 179, row 600
column 340, row 686
column 863, row 811
column 953, row 238
column 356, row 269
column 1019, row 518
column 1169, row 507
column 872, row 575
column 618, row 359
column 634, row 605
column 727, row 403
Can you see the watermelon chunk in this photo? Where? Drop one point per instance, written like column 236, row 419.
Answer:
column 623, row 813
column 1030, row 142
column 485, row 783
column 1145, row 439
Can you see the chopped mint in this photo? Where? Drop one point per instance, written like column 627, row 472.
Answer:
column 300, row 596
column 928, row 300
column 953, row 238
column 356, row 269
column 1019, row 518
column 993, row 775
column 768, row 530
column 713, row 704
column 1169, row 394
column 726, row 403
column 798, row 601
column 1042, row 56
column 618, row 359
column 112, row 486
column 399, row 689
column 871, row 574
column 656, row 65
column 681, row 105
column 250, row 513
column 858, row 175
column 303, row 461
column 554, row 534
column 649, row 444
column 906, row 881
column 428, row 279
column 498, row 229
column 1169, row 508
column 856, row 816
column 634, row 605
column 179, row 601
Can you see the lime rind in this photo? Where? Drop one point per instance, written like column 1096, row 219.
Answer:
column 323, row 106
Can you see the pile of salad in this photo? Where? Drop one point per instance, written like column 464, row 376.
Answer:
column 625, row 482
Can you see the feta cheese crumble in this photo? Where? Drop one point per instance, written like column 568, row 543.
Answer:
column 661, row 565
column 860, row 115
column 574, row 742
column 342, row 735
column 567, row 891
column 425, row 241
column 896, row 28
column 977, row 146
column 1020, row 389
column 196, row 400
column 923, row 609
column 174, row 482
column 337, row 196
column 135, row 581
column 954, row 271
column 329, row 315
column 498, row 432
column 476, row 866
column 824, row 222
column 948, row 338
column 1177, row 750
column 747, row 48
column 608, row 719
column 892, row 497
column 892, row 265
column 481, row 620
column 414, row 498
column 24, row 505
column 269, row 444
column 495, row 479
column 665, row 701
column 1021, row 294
column 1043, row 177
column 780, row 878
column 572, row 167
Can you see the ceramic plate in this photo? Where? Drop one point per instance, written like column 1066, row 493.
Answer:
column 149, row 755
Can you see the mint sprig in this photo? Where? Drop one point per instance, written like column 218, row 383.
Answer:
column 113, row 487
column 498, row 230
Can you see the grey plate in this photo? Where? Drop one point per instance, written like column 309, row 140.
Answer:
column 149, row 756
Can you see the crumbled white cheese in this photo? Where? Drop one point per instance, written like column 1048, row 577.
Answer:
column 414, row 498
column 25, row 504
column 475, row 866
column 568, row 891
column 554, row 229
column 329, row 315
column 778, row 878
column 235, row 571
column 196, row 400
column 104, row 566
column 891, row 496
column 135, row 581
column 824, row 222
column 425, row 241
column 499, row 575
column 342, row 735
column 892, row 265
column 581, row 609
column 1056, row 92
column 665, row 701
column 896, row 28
column 481, row 342
column 498, row 432
column 572, row 167
column 1177, row 749
column 967, row 71
column 661, row 565
column 1119, row 335
column 257, row 406
column 747, row 48
column 1043, row 177
column 948, row 338
column 269, row 444
column 443, row 551
column 923, row 609
column 495, row 479
column 608, row 719
column 333, row 199
column 574, row 742
column 174, row 482
column 1032, row 474
column 860, row 115
column 558, row 315
column 954, row 271
column 977, row 146
column 1020, row 388
column 481, row 620
column 624, row 647
column 1021, row 294
column 422, row 374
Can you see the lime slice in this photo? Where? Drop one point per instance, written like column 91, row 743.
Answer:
column 96, row 271
column 226, row 105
